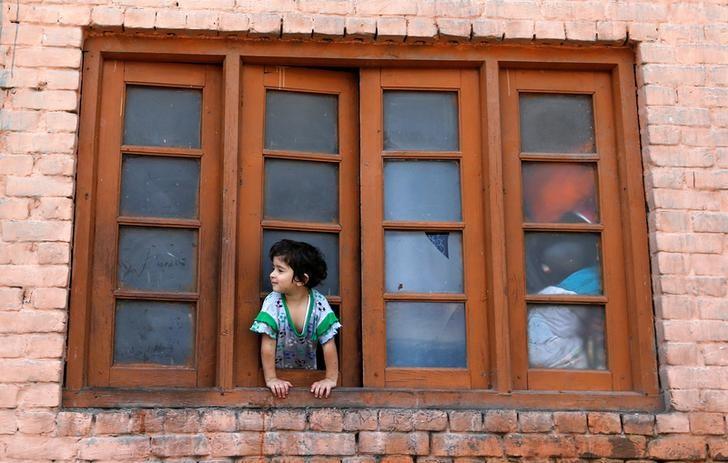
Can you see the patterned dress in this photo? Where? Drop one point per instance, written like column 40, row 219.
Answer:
column 294, row 349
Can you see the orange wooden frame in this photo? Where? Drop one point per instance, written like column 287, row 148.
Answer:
column 500, row 386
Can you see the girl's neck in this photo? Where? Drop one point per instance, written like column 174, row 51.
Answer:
column 298, row 294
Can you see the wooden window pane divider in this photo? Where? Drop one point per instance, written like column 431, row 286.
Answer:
column 156, row 296
column 423, row 226
column 414, row 155
column 559, row 157
column 302, row 156
column 159, row 222
column 161, row 151
column 564, row 227
column 425, row 297
column 565, row 299
column 269, row 224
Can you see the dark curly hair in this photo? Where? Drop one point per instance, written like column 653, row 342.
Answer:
column 303, row 258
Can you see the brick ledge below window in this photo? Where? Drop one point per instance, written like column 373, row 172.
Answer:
column 362, row 398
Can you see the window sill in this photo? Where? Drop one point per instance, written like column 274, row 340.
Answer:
column 361, row 398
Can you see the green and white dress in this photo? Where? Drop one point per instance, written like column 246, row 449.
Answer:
column 294, row 349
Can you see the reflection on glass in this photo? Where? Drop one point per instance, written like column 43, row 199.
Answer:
column 556, row 123
column 423, row 262
column 418, row 120
column 301, row 190
column 426, row 335
column 566, row 336
column 155, row 186
column 422, row 190
column 154, row 332
column 328, row 244
column 157, row 259
column 301, row 122
column 563, row 263
column 159, row 116
column 562, row 192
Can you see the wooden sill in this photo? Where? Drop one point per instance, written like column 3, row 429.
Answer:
column 362, row 398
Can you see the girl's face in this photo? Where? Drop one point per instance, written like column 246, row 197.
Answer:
column 281, row 278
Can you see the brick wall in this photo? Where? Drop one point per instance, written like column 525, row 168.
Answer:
column 682, row 73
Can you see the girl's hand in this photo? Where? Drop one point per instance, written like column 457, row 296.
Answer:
column 278, row 387
column 322, row 389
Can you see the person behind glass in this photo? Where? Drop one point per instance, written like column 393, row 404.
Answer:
column 295, row 318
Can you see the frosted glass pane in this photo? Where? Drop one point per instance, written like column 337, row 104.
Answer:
column 327, row 243
column 559, row 192
column 422, row 190
column 157, row 259
column 426, row 335
column 155, row 186
column 301, row 190
column 423, row 262
column 301, row 122
column 154, row 332
column 563, row 263
column 425, row 121
column 566, row 336
column 159, row 116
column 556, row 123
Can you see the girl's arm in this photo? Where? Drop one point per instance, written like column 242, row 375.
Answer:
column 322, row 389
column 278, row 387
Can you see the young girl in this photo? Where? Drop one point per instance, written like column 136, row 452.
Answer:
column 295, row 317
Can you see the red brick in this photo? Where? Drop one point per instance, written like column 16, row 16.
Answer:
column 391, row 28
column 360, row 27
column 604, row 423
column 73, row 424
column 114, row 423
column 30, row 370
column 718, row 448
column 10, row 299
column 535, row 422
column 538, row 445
column 37, row 448
column 235, row 444
column 466, row 444
column 114, row 448
column 623, row 447
column 394, row 443
column 179, row 445
column 8, row 395
column 8, row 423
column 294, row 420
column 251, row 420
column 707, row 423
column 430, row 420
column 218, row 421
column 36, row 422
column 677, row 448
column 396, row 420
column 182, row 421
column 360, row 420
column 32, row 321
column 308, row 443
column 326, row 419
column 570, row 422
column 500, row 421
column 466, row 420
column 638, row 423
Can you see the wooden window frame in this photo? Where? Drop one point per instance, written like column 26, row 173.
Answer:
column 488, row 62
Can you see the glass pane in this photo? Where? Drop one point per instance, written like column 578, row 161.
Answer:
column 301, row 190
column 154, row 332
column 423, row 262
column 563, row 263
column 155, row 186
column 422, row 190
column 157, row 259
column 328, row 244
column 158, row 116
column 566, row 336
column 301, row 122
column 554, row 123
column 426, row 335
column 559, row 192
column 426, row 121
